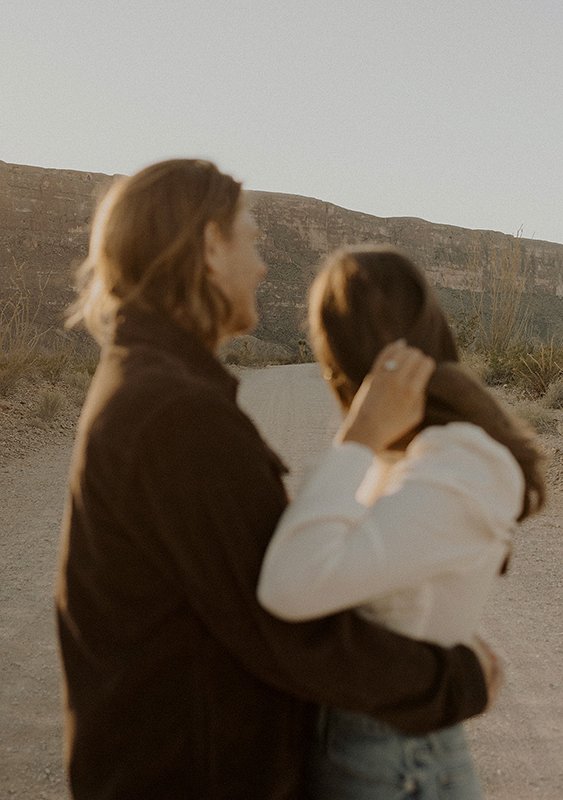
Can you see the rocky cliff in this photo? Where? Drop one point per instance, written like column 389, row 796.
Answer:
column 45, row 215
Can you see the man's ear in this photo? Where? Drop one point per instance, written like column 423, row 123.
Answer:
column 214, row 252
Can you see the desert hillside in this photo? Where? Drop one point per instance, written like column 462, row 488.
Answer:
column 45, row 215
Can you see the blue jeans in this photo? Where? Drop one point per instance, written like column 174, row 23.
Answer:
column 357, row 758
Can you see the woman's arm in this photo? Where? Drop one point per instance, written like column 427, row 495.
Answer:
column 455, row 489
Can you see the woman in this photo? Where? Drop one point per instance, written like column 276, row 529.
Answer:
column 416, row 527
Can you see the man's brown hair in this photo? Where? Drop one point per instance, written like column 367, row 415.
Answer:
column 147, row 248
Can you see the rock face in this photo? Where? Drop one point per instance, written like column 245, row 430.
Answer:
column 44, row 219
column 299, row 231
column 45, row 215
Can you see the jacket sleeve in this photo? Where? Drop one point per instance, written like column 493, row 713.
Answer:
column 211, row 492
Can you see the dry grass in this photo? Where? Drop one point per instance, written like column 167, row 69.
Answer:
column 541, row 367
column 554, row 395
column 541, row 419
column 19, row 312
column 12, row 369
column 499, row 319
column 76, row 383
column 49, row 405
column 248, row 351
column 476, row 363
column 494, row 334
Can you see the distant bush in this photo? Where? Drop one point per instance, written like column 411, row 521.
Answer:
column 51, row 365
column 501, row 367
column 12, row 368
column 531, row 367
column 476, row 363
column 248, row 351
column 540, row 367
column 494, row 332
column 540, row 419
column 306, row 355
column 19, row 312
column 77, row 383
column 554, row 394
column 499, row 319
column 50, row 403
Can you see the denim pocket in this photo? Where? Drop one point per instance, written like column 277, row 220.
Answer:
column 358, row 758
column 363, row 747
column 456, row 778
column 459, row 782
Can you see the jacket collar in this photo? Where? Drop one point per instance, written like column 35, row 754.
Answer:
column 136, row 326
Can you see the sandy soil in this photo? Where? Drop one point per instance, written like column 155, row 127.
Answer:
column 518, row 745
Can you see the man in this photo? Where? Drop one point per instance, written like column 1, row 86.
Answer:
column 177, row 683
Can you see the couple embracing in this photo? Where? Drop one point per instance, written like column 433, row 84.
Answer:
column 218, row 643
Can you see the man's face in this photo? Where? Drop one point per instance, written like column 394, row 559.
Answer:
column 237, row 268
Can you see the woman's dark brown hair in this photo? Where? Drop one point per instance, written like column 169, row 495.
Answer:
column 367, row 297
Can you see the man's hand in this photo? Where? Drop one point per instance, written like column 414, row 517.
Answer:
column 391, row 400
column 492, row 669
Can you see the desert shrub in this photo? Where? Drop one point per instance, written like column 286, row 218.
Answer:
column 49, row 404
column 51, row 365
column 465, row 326
column 540, row 367
column 540, row 419
column 19, row 312
column 20, row 335
column 476, row 363
column 530, row 367
column 554, row 395
column 501, row 366
column 17, row 331
column 13, row 367
column 249, row 351
column 499, row 317
column 86, row 357
column 77, row 383
column 305, row 353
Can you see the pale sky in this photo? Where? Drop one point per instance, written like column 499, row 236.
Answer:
column 449, row 110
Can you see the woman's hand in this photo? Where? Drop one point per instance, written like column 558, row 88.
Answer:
column 391, row 400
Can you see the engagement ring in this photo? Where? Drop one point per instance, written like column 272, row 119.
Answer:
column 390, row 365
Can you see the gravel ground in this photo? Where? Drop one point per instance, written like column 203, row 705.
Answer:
column 517, row 746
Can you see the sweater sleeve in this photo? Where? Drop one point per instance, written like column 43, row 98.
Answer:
column 455, row 489
column 211, row 493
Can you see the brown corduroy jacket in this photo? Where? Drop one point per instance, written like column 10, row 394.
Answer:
column 177, row 683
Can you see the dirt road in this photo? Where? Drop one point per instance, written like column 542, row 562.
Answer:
column 518, row 746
